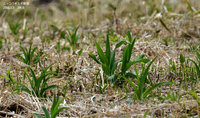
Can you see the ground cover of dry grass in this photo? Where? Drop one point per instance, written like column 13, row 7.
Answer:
column 77, row 74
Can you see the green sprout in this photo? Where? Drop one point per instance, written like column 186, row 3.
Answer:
column 55, row 110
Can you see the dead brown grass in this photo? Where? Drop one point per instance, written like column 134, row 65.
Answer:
column 94, row 18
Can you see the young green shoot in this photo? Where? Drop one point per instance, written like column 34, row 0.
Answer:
column 55, row 110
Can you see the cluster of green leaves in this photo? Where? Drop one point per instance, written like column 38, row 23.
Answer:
column 188, row 72
column 29, row 56
column 126, row 60
column 38, row 84
column 113, row 35
column 174, row 96
column 8, row 77
column 140, row 88
column 73, row 37
column 195, row 96
column 14, row 27
column 55, row 29
column 107, row 61
column 197, row 64
column 62, row 36
column 109, row 64
column 197, row 67
column 183, row 70
column 55, row 110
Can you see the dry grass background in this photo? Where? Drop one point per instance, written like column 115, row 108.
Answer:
column 78, row 72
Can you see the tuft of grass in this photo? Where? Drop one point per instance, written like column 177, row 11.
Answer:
column 73, row 38
column 55, row 110
column 126, row 60
column 195, row 96
column 8, row 77
column 141, row 89
column 174, row 96
column 55, row 29
column 38, row 84
column 182, row 59
column 197, row 64
column 29, row 57
column 107, row 61
column 15, row 27
column 109, row 64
